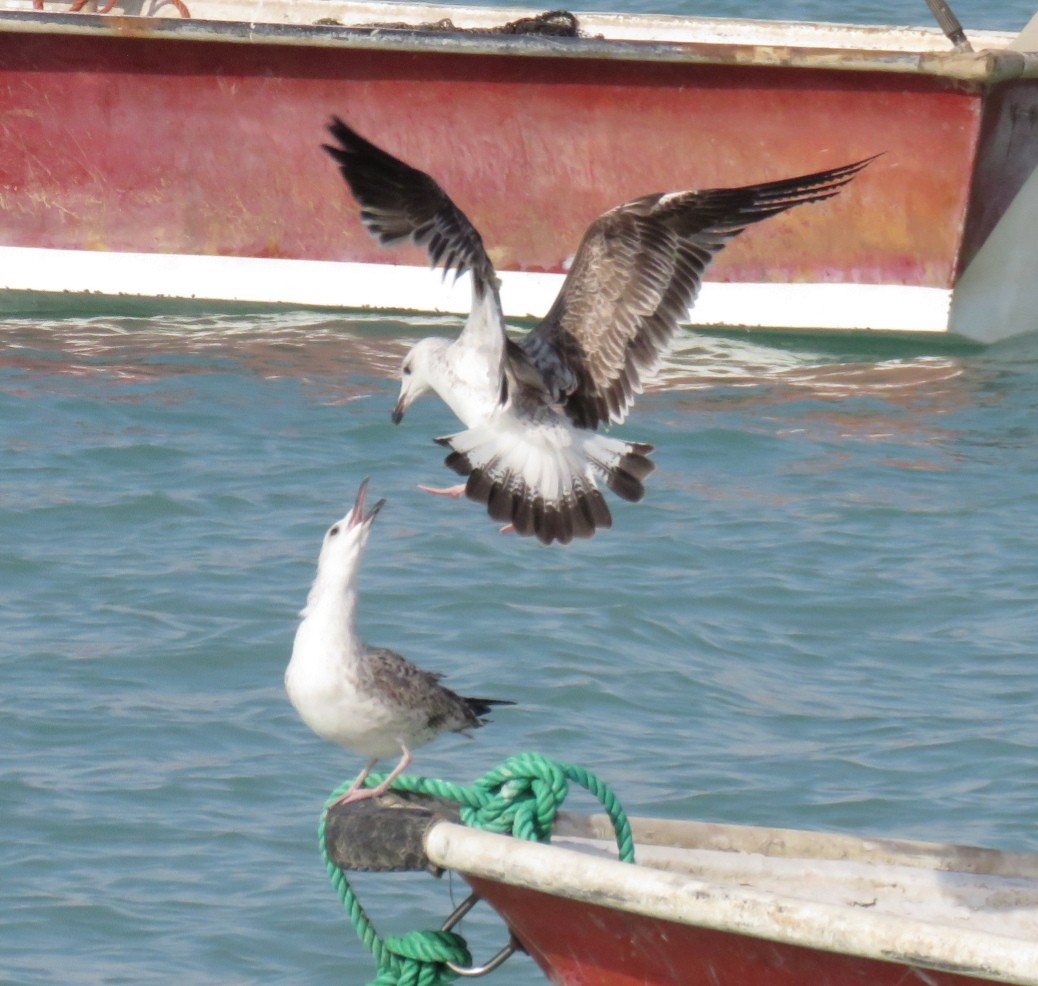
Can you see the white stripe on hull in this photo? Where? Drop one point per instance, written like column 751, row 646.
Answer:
column 343, row 285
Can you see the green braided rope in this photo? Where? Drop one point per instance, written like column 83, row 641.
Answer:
column 416, row 959
column 500, row 800
column 520, row 797
column 357, row 915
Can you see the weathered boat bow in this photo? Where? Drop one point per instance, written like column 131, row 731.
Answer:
column 203, row 182
column 711, row 903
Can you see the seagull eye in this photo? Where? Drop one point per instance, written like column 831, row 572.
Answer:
column 407, row 371
column 333, row 531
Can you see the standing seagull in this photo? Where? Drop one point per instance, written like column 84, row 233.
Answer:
column 530, row 451
column 368, row 699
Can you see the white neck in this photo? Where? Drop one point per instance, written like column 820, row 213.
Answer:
column 331, row 609
column 467, row 374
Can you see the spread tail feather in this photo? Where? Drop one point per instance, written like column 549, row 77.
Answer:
column 542, row 479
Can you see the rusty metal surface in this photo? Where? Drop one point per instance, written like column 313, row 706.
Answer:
column 217, row 153
column 1007, row 157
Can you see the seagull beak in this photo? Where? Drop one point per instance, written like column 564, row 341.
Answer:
column 409, row 390
column 398, row 411
column 357, row 513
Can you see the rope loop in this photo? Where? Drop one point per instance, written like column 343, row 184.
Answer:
column 420, row 958
column 520, row 797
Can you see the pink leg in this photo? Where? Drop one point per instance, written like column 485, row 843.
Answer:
column 405, row 762
column 454, row 491
column 356, row 792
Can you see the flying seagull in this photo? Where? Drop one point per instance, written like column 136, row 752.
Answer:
column 531, row 407
column 368, row 699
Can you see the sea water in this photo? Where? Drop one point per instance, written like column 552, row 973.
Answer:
column 999, row 15
column 822, row 615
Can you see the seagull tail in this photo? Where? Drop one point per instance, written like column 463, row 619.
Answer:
column 543, row 478
column 481, row 707
column 474, row 712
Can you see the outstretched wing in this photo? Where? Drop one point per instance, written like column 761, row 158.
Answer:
column 635, row 276
column 400, row 204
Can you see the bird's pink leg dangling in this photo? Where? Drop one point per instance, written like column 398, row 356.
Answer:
column 457, row 491
column 454, row 491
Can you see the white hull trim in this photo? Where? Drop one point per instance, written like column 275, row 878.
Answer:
column 345, row 285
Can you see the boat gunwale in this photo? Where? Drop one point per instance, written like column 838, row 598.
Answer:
column 736, row 909
column 805, row 844
column 987, row 66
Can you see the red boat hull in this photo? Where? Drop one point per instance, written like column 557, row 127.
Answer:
column 206, row 145
column 213, row 148
column 581, row 944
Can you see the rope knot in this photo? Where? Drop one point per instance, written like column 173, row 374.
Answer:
column 419, row 958
column 520, row 797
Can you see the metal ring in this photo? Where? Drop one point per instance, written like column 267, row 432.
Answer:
column 476, row 970
column 460, row 911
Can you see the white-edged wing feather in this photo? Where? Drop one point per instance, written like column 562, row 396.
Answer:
column 636, row 274
column 400, row 204
column 538, row 472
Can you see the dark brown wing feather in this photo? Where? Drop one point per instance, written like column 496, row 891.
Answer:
column 399, row 204
column 637, row 272
column 409, row 686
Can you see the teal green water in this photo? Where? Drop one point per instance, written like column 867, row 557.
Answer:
column 823, row 616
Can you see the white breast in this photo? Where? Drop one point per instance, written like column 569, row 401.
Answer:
column 473, row 386
column 322, row 685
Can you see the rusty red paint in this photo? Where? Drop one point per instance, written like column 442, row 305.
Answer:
column 580, row 944
column 211, row 148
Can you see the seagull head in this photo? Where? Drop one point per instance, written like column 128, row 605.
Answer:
column 417, row 373
column 344, row 541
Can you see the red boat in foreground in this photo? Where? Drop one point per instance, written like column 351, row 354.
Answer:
column 728, row 905
column 146, row 155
